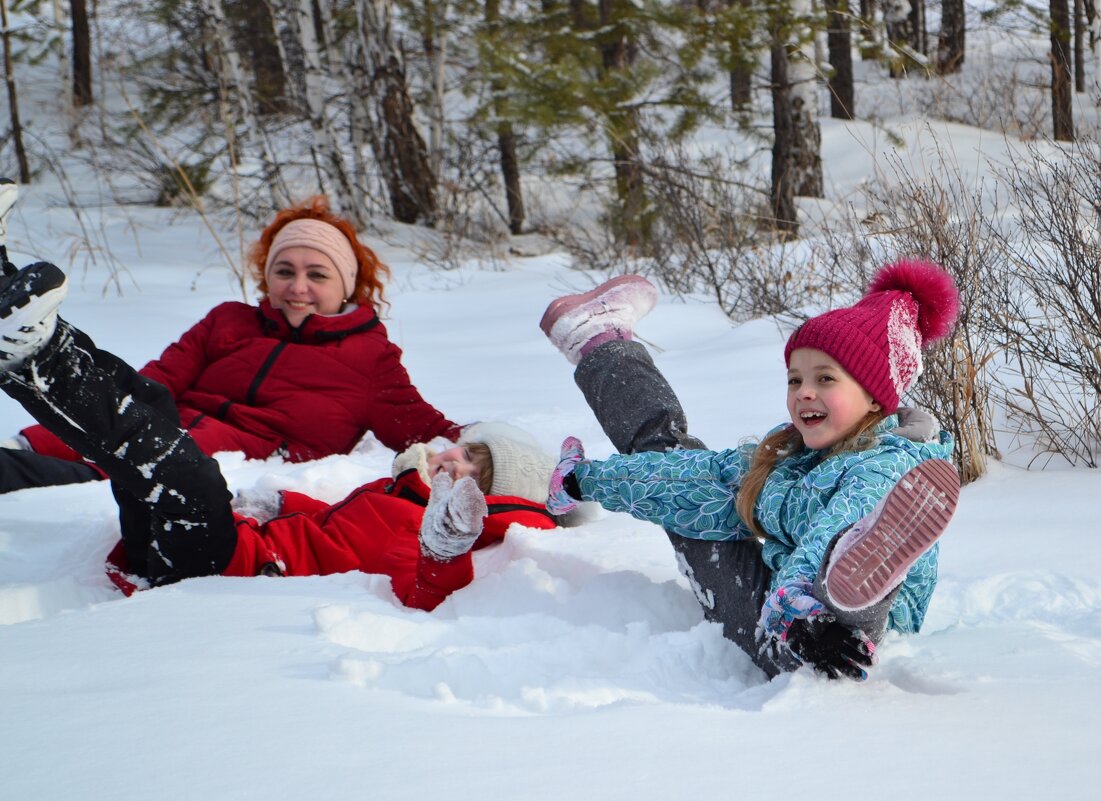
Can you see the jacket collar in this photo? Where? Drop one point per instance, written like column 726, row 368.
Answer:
column 316, row 328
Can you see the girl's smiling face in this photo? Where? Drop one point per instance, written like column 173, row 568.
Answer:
column 825, row 402
column 456, row 462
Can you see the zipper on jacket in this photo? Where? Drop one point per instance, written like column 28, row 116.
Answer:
column 262, row 373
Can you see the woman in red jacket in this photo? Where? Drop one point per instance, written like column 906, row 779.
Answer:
column 303, row 374
column 175, row 511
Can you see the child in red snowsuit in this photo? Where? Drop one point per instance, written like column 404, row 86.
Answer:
column 175, row 511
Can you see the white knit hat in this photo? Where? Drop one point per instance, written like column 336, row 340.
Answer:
column 520, row 466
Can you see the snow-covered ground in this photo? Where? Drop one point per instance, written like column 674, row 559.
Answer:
column 577, row 665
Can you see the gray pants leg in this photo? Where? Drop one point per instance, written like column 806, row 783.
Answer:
column 639, row 411
column 632, row 401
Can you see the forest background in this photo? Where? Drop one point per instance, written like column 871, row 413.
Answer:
column 152, row 142
column 681, row 140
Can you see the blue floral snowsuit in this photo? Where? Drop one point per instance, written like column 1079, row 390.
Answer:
column 805, row 502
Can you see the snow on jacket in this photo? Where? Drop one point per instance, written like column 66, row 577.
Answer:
column 373, row 530
column 245, row 380
column 805, row 501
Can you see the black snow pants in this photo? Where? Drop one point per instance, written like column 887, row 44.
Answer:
column 174, row 507
column 24, row 469
column 639, row 411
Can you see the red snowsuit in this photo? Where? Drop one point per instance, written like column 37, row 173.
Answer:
column 373, row 530
column 244, row 380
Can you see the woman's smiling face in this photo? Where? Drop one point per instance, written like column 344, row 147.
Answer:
column 303, row 281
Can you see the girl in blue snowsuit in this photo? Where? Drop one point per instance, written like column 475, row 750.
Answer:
column 806, row 547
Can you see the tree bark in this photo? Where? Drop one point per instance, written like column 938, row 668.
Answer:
column 398, row 146
column 803, row 81
column 82, row 53
column 1061, row 95
column 325, row 142
column 434, row 42
column 254, row 33
column 1079, row 46
column 870, row 45
column 839, row 38
column 741, row 76
column 13, row 100
column 917, row 23
column 784, row 218
column 900, row 35
column 951, row 44
column 358, row 118
column 232, row 76
column 618, row 52
column 506, row 137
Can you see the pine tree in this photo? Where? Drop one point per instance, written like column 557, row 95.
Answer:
column 596, row 69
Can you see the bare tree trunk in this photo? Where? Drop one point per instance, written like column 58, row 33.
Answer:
column 358, row 119
column 784, row 217
column 917, row 23
column 325, row 142
column 900, row 35
column 618, row 52
column 741, row 76
column 64, row 70
column 1079, row 47
column 434, row 41
column 82, row 54
column 1094, row 22
column 839, row 37
column 951, row 44
column 870, row 44
column 803, row 80
column 253, row 23
column 233, row 76
column 13, row 100
column 506, row 138
column 398, row 146
column 1062, row 97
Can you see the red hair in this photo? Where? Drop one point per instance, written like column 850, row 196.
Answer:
column 371, row 274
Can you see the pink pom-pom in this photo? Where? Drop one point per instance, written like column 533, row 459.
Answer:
column 933, row 289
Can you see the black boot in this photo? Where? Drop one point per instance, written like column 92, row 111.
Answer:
column 28, row 310
column 174, row 504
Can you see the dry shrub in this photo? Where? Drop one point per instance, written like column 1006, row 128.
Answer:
column 942, row 219
column 1052, row 299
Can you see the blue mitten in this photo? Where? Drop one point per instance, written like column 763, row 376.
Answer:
column 787, row 604
column 559, row 501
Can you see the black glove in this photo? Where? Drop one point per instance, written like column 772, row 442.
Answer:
column 832, row 648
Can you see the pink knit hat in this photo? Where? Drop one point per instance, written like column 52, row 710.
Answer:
column 321, row 237
column 908, row 306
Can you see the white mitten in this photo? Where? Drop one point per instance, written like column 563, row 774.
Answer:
column 416, row 457
column 260, row 504
column 453, row 518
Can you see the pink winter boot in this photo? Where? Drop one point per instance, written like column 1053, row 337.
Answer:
column 577, row 324
column 873, row 557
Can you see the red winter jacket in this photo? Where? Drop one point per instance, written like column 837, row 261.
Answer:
column 244, row 380
column 373, row 530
